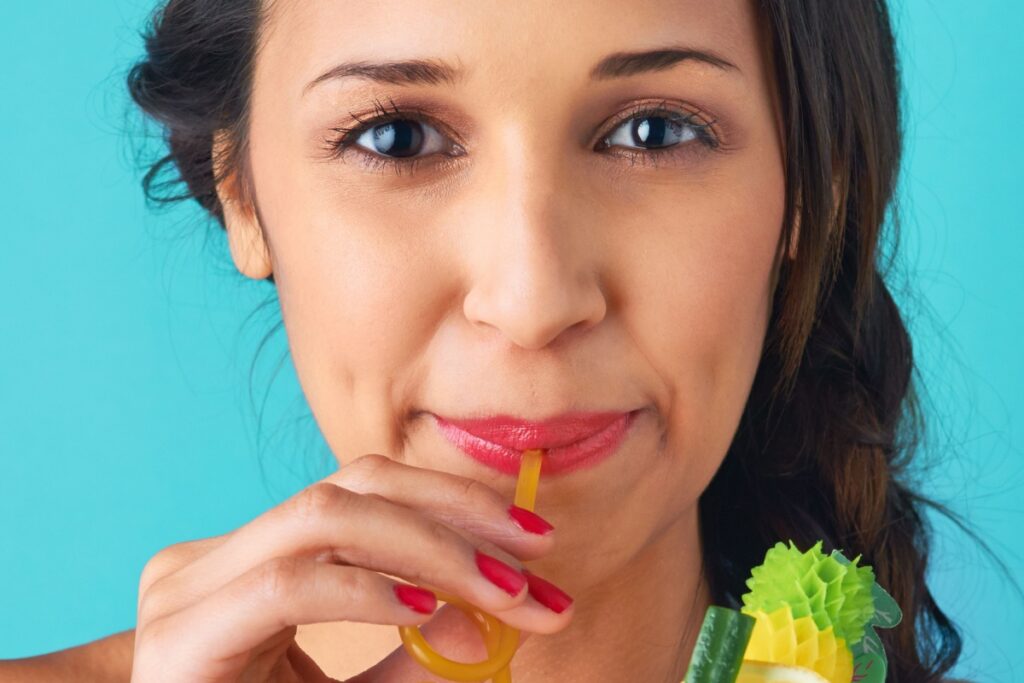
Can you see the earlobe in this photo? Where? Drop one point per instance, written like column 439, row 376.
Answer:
column 249, row 249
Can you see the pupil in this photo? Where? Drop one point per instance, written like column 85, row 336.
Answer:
column 398, row 138
column 651, row 131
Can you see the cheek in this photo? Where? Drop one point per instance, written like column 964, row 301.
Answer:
column 350, row 279
column 697, row 303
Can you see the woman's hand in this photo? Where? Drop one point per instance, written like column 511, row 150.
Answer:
column 226, row 608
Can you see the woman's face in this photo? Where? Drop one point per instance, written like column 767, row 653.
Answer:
column 552, row 248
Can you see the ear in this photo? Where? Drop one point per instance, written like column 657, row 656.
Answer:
column 248, row 246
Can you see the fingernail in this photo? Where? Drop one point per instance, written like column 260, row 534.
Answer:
column 500, row 574
column 528, row 520
column 547, row 593
column 416, row 598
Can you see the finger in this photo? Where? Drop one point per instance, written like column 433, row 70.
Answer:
column 363, row 530
column 459, row 501
column 548, row 610
column 174, row 557
column 450, row 633
column 216, row 634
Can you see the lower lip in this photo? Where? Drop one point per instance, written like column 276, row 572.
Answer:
column 586, row 452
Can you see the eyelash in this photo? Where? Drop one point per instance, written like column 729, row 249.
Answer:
column 346, row 138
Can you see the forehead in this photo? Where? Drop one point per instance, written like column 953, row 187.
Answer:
column 509, row 45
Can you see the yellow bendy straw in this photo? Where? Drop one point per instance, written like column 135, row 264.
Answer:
column 500, row 638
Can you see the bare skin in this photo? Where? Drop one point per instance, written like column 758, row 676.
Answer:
column 522, row 268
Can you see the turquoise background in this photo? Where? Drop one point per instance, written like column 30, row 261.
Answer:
column 126, row 420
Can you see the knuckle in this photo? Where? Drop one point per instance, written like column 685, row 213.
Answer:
column 374, row 497
column 353, row 584
column 319, row 500
column 437, row 541
column 474, row 505
column 361, row 474
column 150, row 572
column 275, row 580
column 158, row 600
column 159, row 565
column 371, row 462
column 478, row 495
column 441, row 535
column 170, row 559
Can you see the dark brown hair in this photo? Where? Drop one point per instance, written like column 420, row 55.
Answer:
column 824, row 444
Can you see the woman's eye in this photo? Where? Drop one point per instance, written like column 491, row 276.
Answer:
column 394, row 139
column 404, row 143
column 401, row 138
column 654, row 131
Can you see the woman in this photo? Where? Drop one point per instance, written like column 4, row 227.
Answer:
column 642, row 236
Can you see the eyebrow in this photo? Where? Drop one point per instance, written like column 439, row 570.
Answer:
column 436, row 71
column 622, row 64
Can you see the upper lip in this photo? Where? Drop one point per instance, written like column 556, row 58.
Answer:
column 521, row 434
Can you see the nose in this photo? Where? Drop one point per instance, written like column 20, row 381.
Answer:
column 536, row 271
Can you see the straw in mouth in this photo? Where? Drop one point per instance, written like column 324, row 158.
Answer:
column 502, row 640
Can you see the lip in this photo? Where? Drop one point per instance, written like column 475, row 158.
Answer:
column 571, row 441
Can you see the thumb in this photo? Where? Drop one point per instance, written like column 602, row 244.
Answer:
column 450, row 633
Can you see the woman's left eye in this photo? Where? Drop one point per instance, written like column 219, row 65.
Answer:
column 404, row 140
column 658, row 129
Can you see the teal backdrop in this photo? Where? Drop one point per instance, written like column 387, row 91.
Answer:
column 126, row 417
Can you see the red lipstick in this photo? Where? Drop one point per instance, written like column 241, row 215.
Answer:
column 571, row 441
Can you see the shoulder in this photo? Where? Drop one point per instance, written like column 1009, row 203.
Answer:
column 107, row 660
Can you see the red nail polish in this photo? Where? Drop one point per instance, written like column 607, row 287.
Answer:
column 528, row 520
column 500, row 574
column 416, row 598
column 547, row 593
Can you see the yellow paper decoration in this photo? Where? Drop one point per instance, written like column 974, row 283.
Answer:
column 781, row 639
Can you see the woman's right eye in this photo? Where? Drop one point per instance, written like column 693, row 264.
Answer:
column 394, row 139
